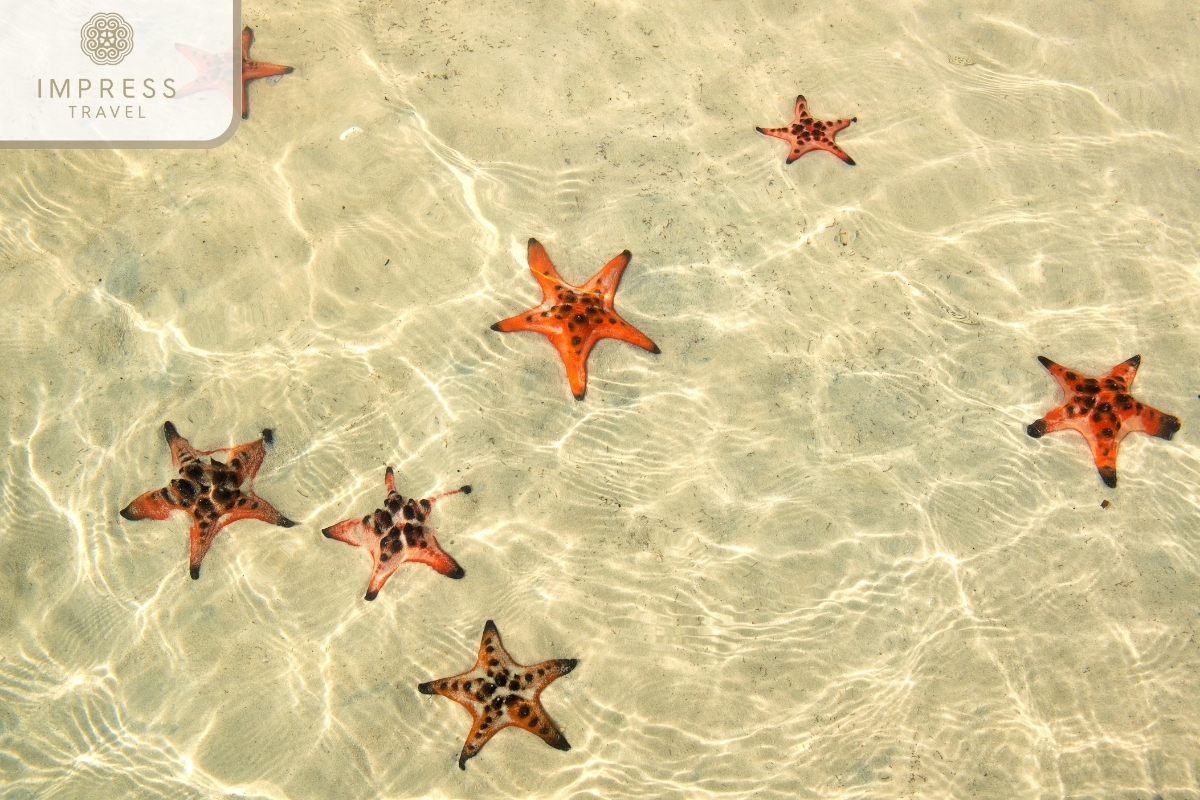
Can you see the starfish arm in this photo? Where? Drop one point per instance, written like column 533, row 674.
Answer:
column 620, row 329
column 380, row 576
column 1067, row 380
column 245, row 459
column 533, row 321
column 156, row 504
column 828, row 146
column 574, row 353
column 801, row 108
column 247, row 40
column 1124, row 373
column 389, row 481
column 201, row 537
column 492, row 648
column 606, row 280
column 549, row 671
column 533, row 718
column 544, row 272
column 778, row 133
column 831, row 128
column 428, row 551
column 481, row 732
column 1152, row 421
column 251, row 506
column 181, row 451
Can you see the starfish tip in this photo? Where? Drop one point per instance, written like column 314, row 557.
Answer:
column 465, row 489
column 1169, row 426
column 760, row 130
column 196, row 572
column 1037, row 429
column 456, row 573
column 426, row 688
column 580, row 395
column 628, row 255
column 496, row 327
column 245, row 115
column 127, row 513
column 1109, row 476
column 170, row 430
column 372, row 595
column 849, row 160
column 284, row 522
column 655, row 350
column 268, row 436
column 532, row 241
column 327, row 532
column 560, row 743
column 1045, row 361
column 462, row 764
column 568, row 664
column 1136, row 361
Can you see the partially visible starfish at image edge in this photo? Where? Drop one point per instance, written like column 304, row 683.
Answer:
column 213, row 71
column 1103, row 411
column 396, row 535
column 499, row 692
column 806, row 133
column 574, row 318
column 209, row 491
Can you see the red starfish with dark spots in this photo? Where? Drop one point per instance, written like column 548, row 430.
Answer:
column 396, row 534
column 574, row 318
column 499, row 692
column 806, row 133
column 1103, row 411
column 252, row 69
column 210, row 491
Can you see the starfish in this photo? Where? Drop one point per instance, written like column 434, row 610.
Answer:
column 397, row 534
column 1103, row 411
column 574, row 318
column 210, row 492
column 500, row 692
column 214, row 70
column 806, row 133
column 255, row 69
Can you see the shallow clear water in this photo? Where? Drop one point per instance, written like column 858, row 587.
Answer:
column 807, row 551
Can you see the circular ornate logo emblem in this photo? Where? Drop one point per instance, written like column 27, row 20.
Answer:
column 106, row 39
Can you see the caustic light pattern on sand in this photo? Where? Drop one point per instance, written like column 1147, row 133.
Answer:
column 499, row 692
column 574, row 318
column 1103, row 410
column 396, row 535
column 209, row 491
column 806, row 133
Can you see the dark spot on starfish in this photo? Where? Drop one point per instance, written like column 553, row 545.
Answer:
column 454, row 686
column 541, row 672
column 489, row 649
column 409, row 512
column 523, row 711
column 533, row 721
column 570, row 326
column 205, row 506
column 425, row 504
column 545, row 730
column 1112, row 385
column 394, row 504
column 529, row 318
column 384, row 557
column 186, row 491
column 204, row 524
column 1069, row 376
column 1106, row 433
column 193, row 471
column 514, row 684
column 575, row 340
column 493, row 662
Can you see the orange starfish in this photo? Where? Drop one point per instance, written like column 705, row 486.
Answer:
column 499, row 692
column 574, row 318
column 252, row 69
column 210, row 492
column 1103, row 411
column 396, row 535
column 806, row 133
